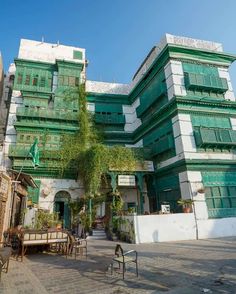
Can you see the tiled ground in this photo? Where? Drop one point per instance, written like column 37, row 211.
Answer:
column 203, row 266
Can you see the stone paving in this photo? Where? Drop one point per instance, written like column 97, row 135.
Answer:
column 203, row 266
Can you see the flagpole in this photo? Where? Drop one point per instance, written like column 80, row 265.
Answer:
column 32, row 152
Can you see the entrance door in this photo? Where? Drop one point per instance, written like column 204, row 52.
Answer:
column 62, row 199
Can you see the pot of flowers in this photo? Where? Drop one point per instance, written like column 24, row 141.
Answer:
column 186, row 205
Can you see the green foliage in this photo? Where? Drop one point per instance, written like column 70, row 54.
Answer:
column 185, row 202
column 75, row 208
column 84, row 151
column 117, row 204
column 45, row 219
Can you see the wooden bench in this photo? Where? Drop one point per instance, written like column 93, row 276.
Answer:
column 5, row 254
column 36, row 237
column 124, row 258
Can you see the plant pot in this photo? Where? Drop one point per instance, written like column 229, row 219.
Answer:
column 187, row 209
column 58, row 226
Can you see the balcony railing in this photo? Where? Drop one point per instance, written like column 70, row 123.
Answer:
column 114, row 118
column 46, row 113
column 22, row 151
column 205, row 82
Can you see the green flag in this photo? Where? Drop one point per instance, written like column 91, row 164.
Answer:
column 34, row 152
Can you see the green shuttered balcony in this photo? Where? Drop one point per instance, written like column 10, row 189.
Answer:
column 46, row 113
column 218, row 138
column 205, row 82
column 22, row 151
column 163, row 144
column 112, row 119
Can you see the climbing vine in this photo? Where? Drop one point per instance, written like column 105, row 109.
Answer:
column 85, row 152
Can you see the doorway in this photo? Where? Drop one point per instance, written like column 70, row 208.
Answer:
column 61, row 206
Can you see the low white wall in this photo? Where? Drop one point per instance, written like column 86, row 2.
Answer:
column 162, row 228
column 216, row 228
column 180, row 226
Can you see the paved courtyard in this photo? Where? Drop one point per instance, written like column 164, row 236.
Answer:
column 203, row 266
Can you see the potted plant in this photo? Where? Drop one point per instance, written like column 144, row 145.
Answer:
column 186, row 204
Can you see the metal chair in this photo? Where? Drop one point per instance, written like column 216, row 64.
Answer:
column 124, row 258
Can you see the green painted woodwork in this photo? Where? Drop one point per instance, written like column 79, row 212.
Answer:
column 61, row 103
column 221, row 212
column 46, row 113
column 211, row 179
column 209, row 137
column 77, row 54
column 35, row 102
column 163, row 144
column 202, row 69
column 210, row 121
column 22, row 151
column 61, row 206
column 33, row 193
column 108, row 108
column 160, row 131
column 33, row 79
column 205, row 82
column 104, row 99
column 39, row 124
column 168, row 191
column 220, row 193
column 68, row 75
column 200, row 55
column 113, row 118
column 153, row 91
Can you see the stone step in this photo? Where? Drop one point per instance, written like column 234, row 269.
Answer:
column 98, row 235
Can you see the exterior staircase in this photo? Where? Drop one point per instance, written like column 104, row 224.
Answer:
column 98, row 234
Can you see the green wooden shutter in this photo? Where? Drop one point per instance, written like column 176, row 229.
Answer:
column 33, row 193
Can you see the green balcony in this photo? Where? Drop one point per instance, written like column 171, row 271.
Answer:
column 110, row 119
column 46, row 113
column 215, row 138
column 205, row 82
column 22, row 151
column 164, row 144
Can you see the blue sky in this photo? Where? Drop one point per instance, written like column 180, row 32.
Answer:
column 117, row 34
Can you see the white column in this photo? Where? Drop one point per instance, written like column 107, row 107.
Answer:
column 174, row 79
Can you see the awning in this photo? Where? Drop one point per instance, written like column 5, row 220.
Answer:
column 24, row 178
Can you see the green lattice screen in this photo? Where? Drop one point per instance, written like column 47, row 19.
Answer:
column 220, row 193
column 33, row 193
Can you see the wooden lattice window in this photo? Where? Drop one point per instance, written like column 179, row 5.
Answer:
column 35, row 80
column 27, row 80
column 42, row 82
column 19, row 78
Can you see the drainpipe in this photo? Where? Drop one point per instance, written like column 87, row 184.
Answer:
column 194, row 210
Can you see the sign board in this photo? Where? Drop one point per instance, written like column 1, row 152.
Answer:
column 165, row 208
column 126, row 180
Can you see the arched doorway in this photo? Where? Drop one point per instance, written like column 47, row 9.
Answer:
column 61, row 205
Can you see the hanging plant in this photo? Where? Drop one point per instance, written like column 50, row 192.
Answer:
column 85, row 152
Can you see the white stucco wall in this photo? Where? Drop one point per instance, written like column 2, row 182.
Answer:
column 132, row 122
column 217, row 228
column 179, row 227
column 163, row 228
column 174, row 79
column 224, row 73
column 52, row 186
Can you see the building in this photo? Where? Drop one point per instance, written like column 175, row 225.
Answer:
column 180, row 107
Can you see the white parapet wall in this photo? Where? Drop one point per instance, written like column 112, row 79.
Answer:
column 163, row 228
column 217, row 228
column 179, row 227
